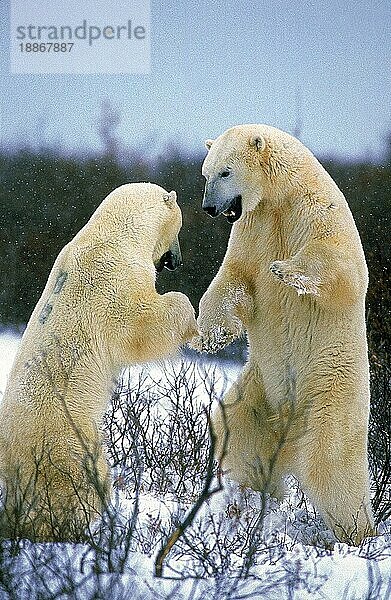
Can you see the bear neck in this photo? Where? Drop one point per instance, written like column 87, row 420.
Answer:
column 289, row 209
column 131, row 251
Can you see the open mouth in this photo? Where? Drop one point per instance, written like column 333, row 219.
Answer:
column 234, row 210
column 164, row 262
column 168, row 261
column 160, row 265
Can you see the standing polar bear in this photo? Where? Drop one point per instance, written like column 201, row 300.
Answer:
column 98, row 312
column 295, row 278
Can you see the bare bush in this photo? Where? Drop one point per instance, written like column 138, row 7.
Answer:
column 210, row 546
column 157, row 429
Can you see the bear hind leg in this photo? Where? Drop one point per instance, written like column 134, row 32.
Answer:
column 341, row 493
column 58, row 502
column 253, row 455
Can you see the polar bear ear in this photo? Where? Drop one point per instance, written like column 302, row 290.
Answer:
column 170, row 198
column 208, row 144
column 258, row 142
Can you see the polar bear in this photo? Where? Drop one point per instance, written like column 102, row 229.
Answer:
column 294, row 277
column 98, row 311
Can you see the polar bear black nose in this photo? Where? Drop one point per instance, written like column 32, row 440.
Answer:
column 211, row 210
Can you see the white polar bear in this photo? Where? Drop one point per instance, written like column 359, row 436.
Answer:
column 99, row 311
column 294, row 277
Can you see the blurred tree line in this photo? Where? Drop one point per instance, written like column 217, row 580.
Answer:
column 46, row 197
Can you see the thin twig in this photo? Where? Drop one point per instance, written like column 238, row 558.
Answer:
column 206, row 493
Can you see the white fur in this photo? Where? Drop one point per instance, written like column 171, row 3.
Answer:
column 295, row 258
column 98, row 311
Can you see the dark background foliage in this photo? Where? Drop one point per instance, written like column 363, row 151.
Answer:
column 46, row 197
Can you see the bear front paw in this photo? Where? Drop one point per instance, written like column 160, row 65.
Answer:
column 302, row 283
column 214, row 340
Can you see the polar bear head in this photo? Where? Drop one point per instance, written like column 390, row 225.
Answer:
column 145, row 220
column 243, row 165
column 167, row 252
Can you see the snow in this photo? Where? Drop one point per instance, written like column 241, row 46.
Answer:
column 294, row 555
column 9, row 343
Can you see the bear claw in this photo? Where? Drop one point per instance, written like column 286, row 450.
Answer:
column 212, row 342
column 302, row 283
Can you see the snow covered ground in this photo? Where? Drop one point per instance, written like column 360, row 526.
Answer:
column 9, row 343
column 234, row 549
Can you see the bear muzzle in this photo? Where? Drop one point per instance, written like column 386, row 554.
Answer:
column 232, row 211
column 172, row 259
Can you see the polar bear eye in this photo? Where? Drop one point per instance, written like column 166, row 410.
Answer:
column 225, row 173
